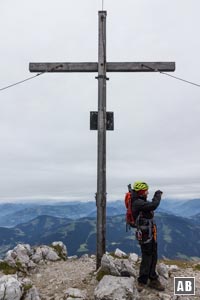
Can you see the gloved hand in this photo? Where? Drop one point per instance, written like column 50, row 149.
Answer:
column 158, row 193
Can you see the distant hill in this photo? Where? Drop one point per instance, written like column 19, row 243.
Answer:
column 110, row 212
column 12, row 214
column 69, row 210
column 190, row 208
column 177, row 237
column 19, row 213
column 186, row 208
column 195, row 219
column 10, row 208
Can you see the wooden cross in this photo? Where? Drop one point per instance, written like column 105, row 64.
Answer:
column 102, row 66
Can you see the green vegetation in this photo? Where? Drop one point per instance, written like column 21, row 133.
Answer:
column 71, row 226
column 6, row 269
column 19, row 232
column 19, row 265
column 58, row 250
column 35, row 222
column 48, row 224
column 179, row 263
column 115, row 256
column 183, row 264
column 176, row 240
column 101, row 274
column 27, row 287
column 196, row 267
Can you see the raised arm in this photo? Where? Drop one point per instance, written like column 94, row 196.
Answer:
column 142, row 205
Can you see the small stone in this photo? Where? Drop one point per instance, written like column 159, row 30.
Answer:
column 173, row 268
column 85, row 256
column 133, row 257
column 72, row 257
column 75, row 293
column 164, row 296
column 120, row 253
column 163, row 270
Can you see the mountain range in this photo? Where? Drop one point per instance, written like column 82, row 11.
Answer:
column 177, row 237
column 12, row 214
column 186, row 208
column 74, row 223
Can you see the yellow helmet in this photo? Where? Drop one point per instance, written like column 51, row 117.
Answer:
column 140, row 186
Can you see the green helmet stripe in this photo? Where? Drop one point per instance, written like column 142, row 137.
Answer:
column 139, row 185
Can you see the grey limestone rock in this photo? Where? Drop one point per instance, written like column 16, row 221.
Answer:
column 42, row 253
column 32, row 294
column 164, row 296
column 118, row 288
column 10, row 288
column 163, row 270
column 74, row 293
column 116, row 267
column 120, row 253
column 25, row 259
column 133, row 257
column 20, row 257
column 61, row 248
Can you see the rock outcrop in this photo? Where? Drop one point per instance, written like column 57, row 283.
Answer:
column 115, row 266
column 10, row 288
column 23, row 260
column 118, row 288
column 46, row 273
column 14, row 288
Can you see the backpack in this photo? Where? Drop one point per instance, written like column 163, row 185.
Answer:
column 130, row 218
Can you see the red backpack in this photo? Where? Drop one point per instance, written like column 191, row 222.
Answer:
column 130, row 220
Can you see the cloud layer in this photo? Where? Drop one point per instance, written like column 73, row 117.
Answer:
column 47, row 149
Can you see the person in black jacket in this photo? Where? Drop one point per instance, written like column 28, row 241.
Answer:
column 143, row 211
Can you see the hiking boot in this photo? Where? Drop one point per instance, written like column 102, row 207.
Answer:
column 156, row 284
column 141, row 286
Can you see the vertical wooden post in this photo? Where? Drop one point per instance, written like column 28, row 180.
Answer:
column 101, row 160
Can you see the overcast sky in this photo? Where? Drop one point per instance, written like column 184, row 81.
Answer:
column 47, row 150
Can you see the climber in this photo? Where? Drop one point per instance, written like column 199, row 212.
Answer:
column 146, row 234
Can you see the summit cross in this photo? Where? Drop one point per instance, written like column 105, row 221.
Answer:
column 101, row 67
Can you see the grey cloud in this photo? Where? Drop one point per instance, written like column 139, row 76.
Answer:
column 47, row 149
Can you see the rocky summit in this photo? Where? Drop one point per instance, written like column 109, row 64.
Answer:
column 48, row 273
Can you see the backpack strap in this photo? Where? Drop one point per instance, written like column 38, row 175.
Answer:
column 148, row 227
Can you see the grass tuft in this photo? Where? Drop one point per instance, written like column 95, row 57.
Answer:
column 196, row 267
column 115, row 256
column 101, row 274
column 6, row 269
column 58, row 250
column 27, row 287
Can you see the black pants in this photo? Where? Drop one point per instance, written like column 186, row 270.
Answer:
column 149, row 261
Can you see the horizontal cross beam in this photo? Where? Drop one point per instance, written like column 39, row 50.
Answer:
column 110, row 67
